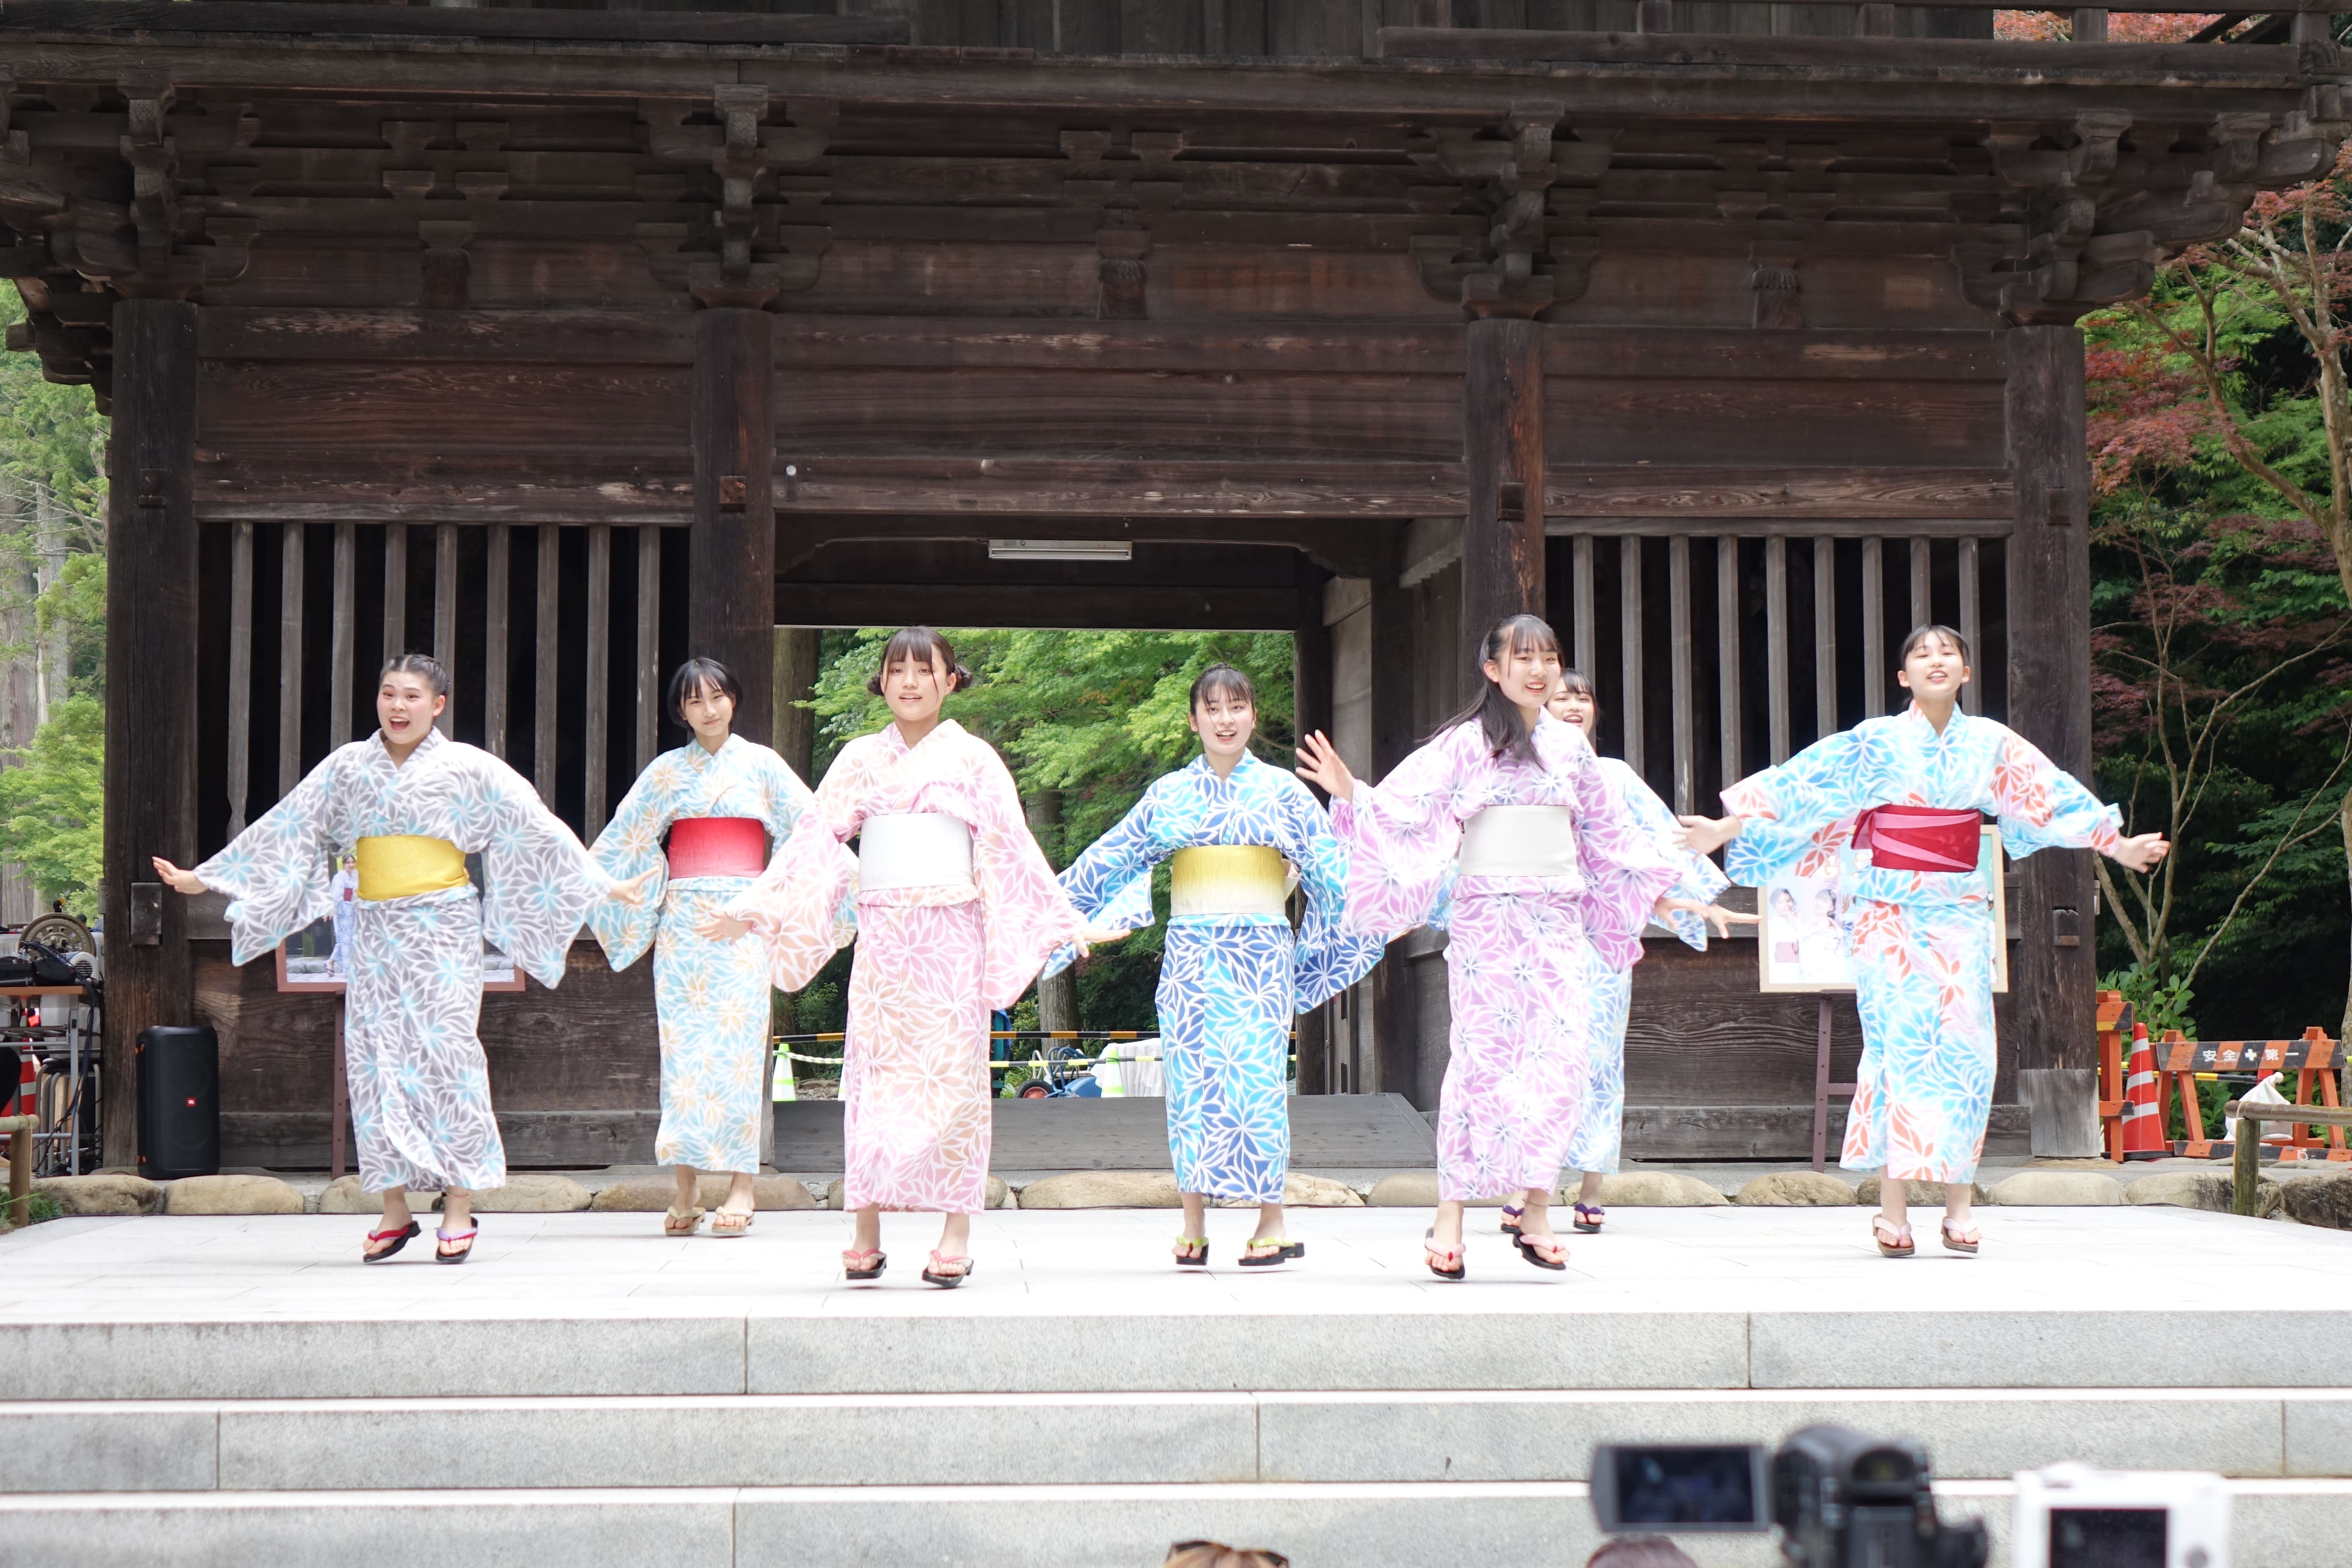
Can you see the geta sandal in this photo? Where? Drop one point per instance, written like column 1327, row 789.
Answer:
column 441, row 1253
column 1954, row 1241
column 864, row 1265
column 1192, row 1251
column 399, row 1238
column 1251, row 1258
column 1588, row 1218
column 681, row 1222
column 1510, row 1225
column 730, row 1222
column 1542, row 1252
column 1461, row 1270
column 1894, row 1241
column 963, row 1267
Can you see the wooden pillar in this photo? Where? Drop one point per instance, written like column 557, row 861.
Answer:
column 796, row 682
column 2053, row 970
column 1312, row 684
column 151, row 690
column 731, row 569
column 1396, row 1033
column 1502, row 439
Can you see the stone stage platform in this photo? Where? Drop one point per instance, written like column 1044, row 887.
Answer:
column 242, row 1391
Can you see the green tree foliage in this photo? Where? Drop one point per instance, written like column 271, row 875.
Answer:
column 51, row 805
column 1094, row 715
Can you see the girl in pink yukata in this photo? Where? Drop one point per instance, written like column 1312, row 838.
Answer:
column 955, row 910
column 1897, row 803
column 1554, row 882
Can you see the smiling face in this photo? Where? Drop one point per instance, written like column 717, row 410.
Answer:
column 1527, row 674
column 1224, row 720
column 1574, row 705
column 709, row 711
column 1934, row 671
column 914, row 688
column 406, row 706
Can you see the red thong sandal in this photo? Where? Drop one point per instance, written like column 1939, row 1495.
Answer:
column 963, row 1267
column 399, row 1238
column 864, row 1265
column 442, row 1238
column 1436, row 1254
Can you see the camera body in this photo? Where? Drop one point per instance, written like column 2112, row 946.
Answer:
column 2072, row 1516
column 1845, row 1500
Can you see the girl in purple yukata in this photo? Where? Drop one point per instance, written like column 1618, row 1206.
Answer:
column 1552, row 887
column 1895, row 803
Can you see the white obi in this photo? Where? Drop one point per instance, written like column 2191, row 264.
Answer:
column 914, row 849
column 1519, row 841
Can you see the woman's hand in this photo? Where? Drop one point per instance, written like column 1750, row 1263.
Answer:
column 184, row 881
column 2136, row 853
column 722, row 928
column 1718, row 918
column 633, row 891
column 1705, row 835
column 1319, row 764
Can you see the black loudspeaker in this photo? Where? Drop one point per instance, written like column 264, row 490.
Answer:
column 179, row 1101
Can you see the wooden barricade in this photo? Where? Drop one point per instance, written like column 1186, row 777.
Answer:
column 2115, row 1030
column 2313, row 1059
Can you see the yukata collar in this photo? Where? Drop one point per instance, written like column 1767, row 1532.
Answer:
column 1955, row 728
column 897, row 742
column 434, row 740
column 1201, row 770
column 703, row 757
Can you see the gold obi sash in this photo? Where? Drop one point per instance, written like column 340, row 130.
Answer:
column 1519, row 841
column 403, row 864
column 1228, row 880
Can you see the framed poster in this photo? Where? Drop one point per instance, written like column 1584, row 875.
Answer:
column 1799, row 945
column 312, row 958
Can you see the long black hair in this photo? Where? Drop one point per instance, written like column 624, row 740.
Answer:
column 1498, row 717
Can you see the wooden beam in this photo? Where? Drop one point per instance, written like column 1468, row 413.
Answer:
column 649, row 671
column 1154, row 608
column 1629, row 681
column 1825, row 689
column 2051, row 985
column 1972, row 695
column 546, row 625
column 1873, row 627
column 731, row 569
column 379, row 21
column 445, row 613
column 1922, row 583
column 596, row 745
column 1581, row 599
column 240, row 674
column 395, row 590
column 1502, row 426
column 289, row 658
column 498, row 608
column 1776, row 645
column 343, row 647
column 1678, row 631
column 1728, row 698
column 152, row 655
column 796, row 673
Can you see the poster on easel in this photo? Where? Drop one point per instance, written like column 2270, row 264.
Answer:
column 313, row 959
column 1799, row 945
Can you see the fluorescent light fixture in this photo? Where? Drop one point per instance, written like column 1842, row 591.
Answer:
column 1060, row 549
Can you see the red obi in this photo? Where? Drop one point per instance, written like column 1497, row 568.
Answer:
column 1920, row 837
column 717, row 847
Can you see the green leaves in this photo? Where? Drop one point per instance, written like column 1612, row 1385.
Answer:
column 53, row 805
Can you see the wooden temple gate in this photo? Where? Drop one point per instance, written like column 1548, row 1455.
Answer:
column 563, row 342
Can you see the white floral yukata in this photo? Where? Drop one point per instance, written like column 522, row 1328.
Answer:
column 419, row 1083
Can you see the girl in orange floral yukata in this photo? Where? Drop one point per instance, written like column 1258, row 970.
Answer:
column 1898, row 802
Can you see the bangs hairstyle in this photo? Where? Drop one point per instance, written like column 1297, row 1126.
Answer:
column 1935, row 629
column 925, row 647
column 1576, row 680
column 697, row 675
column 1498, row 715
column 424, row 666
column 1220, row 680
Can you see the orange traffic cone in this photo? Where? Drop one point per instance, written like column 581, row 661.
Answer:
column 2143, row 1112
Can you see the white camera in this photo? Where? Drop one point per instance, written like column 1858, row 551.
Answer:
column 2072, row 1516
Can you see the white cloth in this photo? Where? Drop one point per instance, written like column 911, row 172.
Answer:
column 913, row 849
column 1519, row 841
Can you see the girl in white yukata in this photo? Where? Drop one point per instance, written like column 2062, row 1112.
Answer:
column 1897, row 803
column 410, row 804
column 1599, row 1135
column 702, row 821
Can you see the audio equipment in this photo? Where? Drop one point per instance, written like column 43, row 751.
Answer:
column 179, row 1101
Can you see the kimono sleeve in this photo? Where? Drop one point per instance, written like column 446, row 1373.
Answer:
column 1328, row 957
column 1803, row 807
column 1402, row 835
column 539, row 879
column 1025, row 913
column 630, row 846
column 1625, row 873
column 277, row 873
column 1110, row 883
column 2043, row 807
column 1701, row 881
column 786, row 795
column 802, row 905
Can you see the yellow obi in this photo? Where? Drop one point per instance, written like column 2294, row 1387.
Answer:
column 1228, row 880
column 403, row 864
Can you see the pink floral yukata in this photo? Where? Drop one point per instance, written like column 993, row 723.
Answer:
column 1524, row 954
column 932, row 960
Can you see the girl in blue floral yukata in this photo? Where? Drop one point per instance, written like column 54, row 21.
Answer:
column 1895, row 803
column 1232, row 974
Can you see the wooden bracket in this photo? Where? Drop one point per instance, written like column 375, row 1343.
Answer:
column 146, row 914
column 2065, row 927
column 734, row 492
column 2058, row 508
column 155, row 488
